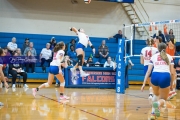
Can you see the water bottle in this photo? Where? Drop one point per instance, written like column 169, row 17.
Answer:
column 91, row 55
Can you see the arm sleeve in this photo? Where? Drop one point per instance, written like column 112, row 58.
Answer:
column 8, row 44
column 115, row 36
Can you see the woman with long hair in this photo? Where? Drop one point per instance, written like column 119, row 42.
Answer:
column 81, row 45
column 55, row 70
column 161, row 81
column 146, row 54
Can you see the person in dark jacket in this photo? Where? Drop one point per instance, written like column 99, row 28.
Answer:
column 14, row 70
column 25, row 45
column 160, row 34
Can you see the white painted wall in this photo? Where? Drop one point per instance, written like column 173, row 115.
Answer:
column 99, row 19
column 162, row 10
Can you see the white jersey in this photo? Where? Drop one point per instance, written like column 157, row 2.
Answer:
column 159, row 64
column 56, row 58
column 147, row 53
column 83, row 38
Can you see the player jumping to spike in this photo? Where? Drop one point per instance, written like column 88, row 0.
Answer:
column 83, row 42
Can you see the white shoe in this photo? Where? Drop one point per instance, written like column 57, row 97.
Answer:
column 64, row 97
column 1, row 84
column 34, row 91
column 26, row 86
column 83, row 74
column 1, row 104
column 13, row 86
column 73, row 71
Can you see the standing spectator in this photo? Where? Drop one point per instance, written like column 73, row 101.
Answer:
column 160, row 34
column 18, row 51
column 45, row 56
column 32, row 65
column 157, row 40
column 128, row 63
column 33, row 50
column 52, row 43
column 6, row 52
column 103, row 51
column 25, row 45
column 117, row 36
column 15, row 69
column 72, row 54
column 120, row 36
column 170, row 36
column 12, row 46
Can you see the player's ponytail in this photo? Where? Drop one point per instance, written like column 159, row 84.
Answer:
column 162, row 50
column 59, row 46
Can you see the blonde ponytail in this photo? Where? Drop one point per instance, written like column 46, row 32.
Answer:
column 164, row 56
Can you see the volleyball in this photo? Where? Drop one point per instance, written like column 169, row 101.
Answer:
column 87, row 1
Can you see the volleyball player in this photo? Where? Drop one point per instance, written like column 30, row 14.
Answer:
column 146, row 54
column 171, row 51
column 2, row 77
column 55, row 70
column 161, row 81
column 83, row 42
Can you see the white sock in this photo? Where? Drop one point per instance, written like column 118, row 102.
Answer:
column 81, row 71
column 150, row 90
column 152, row 110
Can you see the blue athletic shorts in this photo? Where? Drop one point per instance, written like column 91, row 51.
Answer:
column 79, row 45
column 160, row 79
column 146, row 69
column 54, row 70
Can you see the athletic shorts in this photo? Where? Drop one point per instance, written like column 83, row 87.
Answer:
column 79, row 45
column 146, row 69
column 161, row 79
column 54, row 70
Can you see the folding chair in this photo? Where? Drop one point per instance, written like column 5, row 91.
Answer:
column 19, row 80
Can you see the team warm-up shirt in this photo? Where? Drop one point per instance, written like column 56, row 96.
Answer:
column 56, row 58
column 159, row 64
column 83, row 38
column 147, row 53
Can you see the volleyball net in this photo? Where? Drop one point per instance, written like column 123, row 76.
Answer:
column 137, row 32
column 134, row 40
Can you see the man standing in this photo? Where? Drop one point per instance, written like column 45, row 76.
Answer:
column 103, row 51
column 12, row 46
column 117, row 36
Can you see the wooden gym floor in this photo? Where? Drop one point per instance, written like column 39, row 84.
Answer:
column 85, row 104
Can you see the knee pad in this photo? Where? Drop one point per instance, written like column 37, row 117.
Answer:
column 62, row 84
column 80, row 57
column 46, row 84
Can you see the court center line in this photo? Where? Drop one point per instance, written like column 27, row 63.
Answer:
column 75, row 108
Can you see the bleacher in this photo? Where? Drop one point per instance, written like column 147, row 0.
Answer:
column 40, row 41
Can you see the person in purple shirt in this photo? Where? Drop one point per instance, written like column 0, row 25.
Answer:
column 6, row 52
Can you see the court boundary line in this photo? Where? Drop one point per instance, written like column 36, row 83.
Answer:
column 75, row 108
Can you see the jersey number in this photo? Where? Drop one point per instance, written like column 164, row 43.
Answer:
column 148, row 53
column 159, row 58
